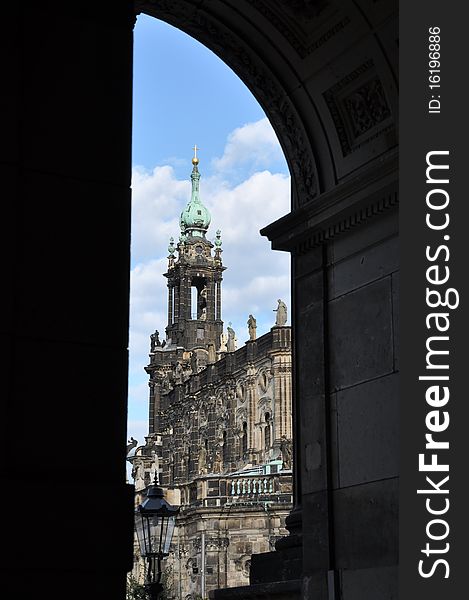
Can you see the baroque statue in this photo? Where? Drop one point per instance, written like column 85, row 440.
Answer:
column 281, row 311
column 252, row 326
column 230, row 343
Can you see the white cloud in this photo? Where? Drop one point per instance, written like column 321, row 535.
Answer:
column 253, row 144
column 157, row 197
column 147, row 309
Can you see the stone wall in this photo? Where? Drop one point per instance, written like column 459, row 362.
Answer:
column 231, row 534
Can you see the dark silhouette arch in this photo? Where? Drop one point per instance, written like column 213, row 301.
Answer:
column 325, row 73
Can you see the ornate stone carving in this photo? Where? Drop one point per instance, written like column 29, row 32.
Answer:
column 131, row 444
column 240, row 391
column 211, row 543
column 138, row 474
column 191, row 566
column 197, row 543
column 263, row 380
column 203, row 417
column 241, row 415
column 264, row 405
column 154, row 468
column 272, row 541
column 220, row 401
column 243, row 563
column 286, row 450
column 202, row 458
column 178, row 373
column 217, row 465
column 357, row 104
column 216, row 543
column 367, row 106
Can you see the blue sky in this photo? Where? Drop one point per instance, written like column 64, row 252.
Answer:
column 185, row 95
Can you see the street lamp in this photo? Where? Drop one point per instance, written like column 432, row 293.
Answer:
column 154, row 524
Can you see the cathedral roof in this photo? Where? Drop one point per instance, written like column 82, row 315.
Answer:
column 195, row 218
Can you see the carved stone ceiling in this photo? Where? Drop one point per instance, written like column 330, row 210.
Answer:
column 296, row 20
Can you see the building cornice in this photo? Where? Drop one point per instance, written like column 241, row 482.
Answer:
column 369, row 193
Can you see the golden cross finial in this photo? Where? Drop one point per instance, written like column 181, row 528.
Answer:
column 195, row 160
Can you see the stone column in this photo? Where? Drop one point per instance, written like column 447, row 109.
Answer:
column 170, row 305
column 251, row 398
column 211, row 291
column 154, row 404
column 281, row 367
column 310, row 516
column 218, row 312
column 184, row 299
column 188, row 296
column 151, row 408
column 294, row 520
column 176, row 302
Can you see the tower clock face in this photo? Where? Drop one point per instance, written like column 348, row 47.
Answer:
column 199, row 249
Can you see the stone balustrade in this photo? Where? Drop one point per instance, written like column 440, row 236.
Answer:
column 252, row 486
column 239, row 489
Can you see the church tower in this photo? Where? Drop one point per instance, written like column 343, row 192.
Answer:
column 194, row 278
column 194, row 328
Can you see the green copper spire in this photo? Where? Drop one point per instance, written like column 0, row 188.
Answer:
column 195, row 218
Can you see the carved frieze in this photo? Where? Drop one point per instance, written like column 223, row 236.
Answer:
column 211, row 543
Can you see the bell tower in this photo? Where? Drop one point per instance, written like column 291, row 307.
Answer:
column 194, row 278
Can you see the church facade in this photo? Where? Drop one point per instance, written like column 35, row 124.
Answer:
column 220, row 425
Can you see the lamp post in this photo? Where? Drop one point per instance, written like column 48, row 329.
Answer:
column 154, row 524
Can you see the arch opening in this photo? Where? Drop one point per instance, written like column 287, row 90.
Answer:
column 241, row 188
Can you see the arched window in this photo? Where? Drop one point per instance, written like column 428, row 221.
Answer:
column 267, row 433
column 194, row 296
column 245, row 437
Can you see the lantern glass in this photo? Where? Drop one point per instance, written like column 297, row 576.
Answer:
column 139, row 529
column 168, row 535
column 154, row 533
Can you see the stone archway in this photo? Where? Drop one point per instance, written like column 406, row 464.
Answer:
column 325, row 73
